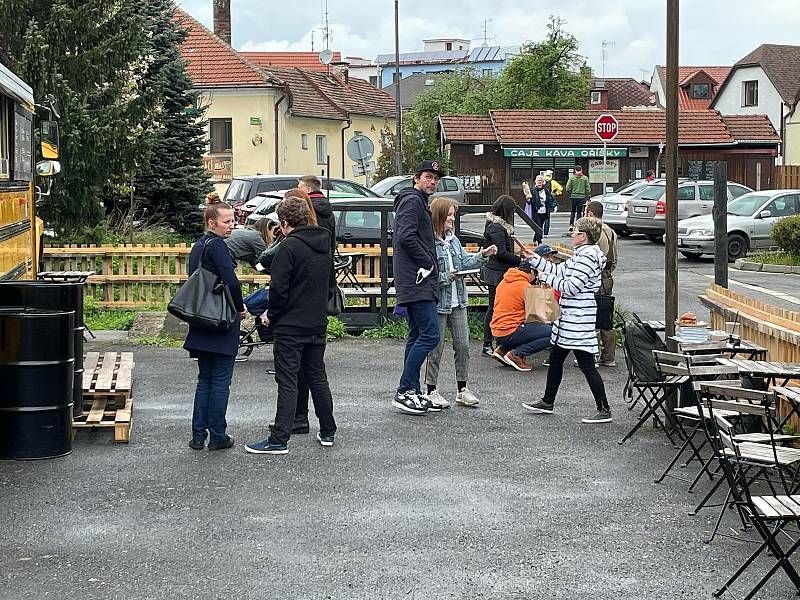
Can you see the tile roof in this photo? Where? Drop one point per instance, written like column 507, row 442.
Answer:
column 308, row 61
column 211, row 63
column 781, row 63
column 411, row 87
column 576, row 127
column 751, row 128
column 685, row 74
column 625, row 91
column 324, row 96
column 468, row 128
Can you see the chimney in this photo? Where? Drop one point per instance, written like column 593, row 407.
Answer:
column 341, row 70
column 222, row 20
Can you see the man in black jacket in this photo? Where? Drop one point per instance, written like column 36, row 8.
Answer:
column 298, row 311
column 312, row 186
column 416, row 280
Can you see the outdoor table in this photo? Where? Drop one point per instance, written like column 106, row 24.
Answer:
column 790, row 395
column 348, row 274
column 65, row 276
column 749, row 349
column 764, row 370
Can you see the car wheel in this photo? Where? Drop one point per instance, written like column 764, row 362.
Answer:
column 737, row 246
column 692, row 255
column 656, row 239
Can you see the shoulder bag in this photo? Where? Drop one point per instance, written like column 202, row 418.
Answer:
column 204, row 300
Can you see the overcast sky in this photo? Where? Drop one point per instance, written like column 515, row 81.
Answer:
column 713, row 32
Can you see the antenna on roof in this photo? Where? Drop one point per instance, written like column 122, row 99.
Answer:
column 604, row 46
column 485, row 29
column 326, row 30
column 644, row 73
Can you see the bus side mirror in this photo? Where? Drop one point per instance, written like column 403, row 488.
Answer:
column 48, row 168
column 49, row 139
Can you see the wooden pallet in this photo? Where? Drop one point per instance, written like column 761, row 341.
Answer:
column 108, row 376
column 103, row 414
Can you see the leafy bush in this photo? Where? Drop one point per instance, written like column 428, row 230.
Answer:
column 787, row 234
column 336, row 329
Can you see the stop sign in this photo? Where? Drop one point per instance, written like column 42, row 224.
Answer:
column 606, row 127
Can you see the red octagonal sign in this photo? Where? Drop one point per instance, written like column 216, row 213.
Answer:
column 606, row 127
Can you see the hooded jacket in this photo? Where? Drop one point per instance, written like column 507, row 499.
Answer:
column 499, row 233
column 509, row 303
column 413, row 248
column 302, row 283
column 325, row 218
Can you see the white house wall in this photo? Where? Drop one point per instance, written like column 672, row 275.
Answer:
column 730, row 101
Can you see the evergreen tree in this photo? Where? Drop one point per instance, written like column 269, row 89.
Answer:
column 91, row 55
column 171, row 182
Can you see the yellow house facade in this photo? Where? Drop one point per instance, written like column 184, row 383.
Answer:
column 278, row 120
column 791, row 134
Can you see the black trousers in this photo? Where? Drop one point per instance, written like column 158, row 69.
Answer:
column 578, row 204
column 586, row 364
column 293, row 353
column 487, row 330
column 539, row 219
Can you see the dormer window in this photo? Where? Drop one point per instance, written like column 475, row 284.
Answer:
column 595, row 98
column 700, row 91
column 448, row 45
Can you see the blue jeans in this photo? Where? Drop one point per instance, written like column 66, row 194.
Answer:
column 529, row 338
column 211, row 395
column 423, row 336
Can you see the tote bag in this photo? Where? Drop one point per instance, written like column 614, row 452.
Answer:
column 540, row 305
column 336, row 303
column 204, row 300
column 605, row 312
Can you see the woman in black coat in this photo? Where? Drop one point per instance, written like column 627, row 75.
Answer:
column 215, row 351
column 498, row 232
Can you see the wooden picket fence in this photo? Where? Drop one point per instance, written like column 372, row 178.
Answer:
column 787, row 177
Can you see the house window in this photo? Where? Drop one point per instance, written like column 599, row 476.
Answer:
column 595, row 98
column 700, row 90
column 487, row 72
column 221, row 135
column 448, row 45
column 750, row 93
column 373, row 80
column 304, row 141
column 322, row 150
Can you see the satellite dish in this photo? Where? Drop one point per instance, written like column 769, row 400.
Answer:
column 325, row 57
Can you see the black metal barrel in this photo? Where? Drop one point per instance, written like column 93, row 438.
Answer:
column 37, row 374
column 53, row 295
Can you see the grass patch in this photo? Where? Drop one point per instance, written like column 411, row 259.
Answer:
column 161, row 341
column 396, row 329
column 100, row 318
column 776, row 257
column 336, row 329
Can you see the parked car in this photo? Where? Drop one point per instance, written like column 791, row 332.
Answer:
column 615, row 206
column 268, row 203
column 449, row 187
column 751, row 218
column 243, row 191
column 646, row 212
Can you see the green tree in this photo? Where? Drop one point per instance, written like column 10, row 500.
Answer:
column 91, row 55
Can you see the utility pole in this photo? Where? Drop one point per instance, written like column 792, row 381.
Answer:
column 398, row 136
column 671, row 217
column 720, row 214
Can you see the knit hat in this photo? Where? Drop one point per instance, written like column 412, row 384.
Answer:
column 592, row 227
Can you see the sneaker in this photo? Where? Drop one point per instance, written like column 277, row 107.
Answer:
column 408, row 402
column 517, row 362
column 487, row 350
column 197, row 443
column 540, row 407
column 224, row 444
column 610, row 364
column 426, row 403
column 466, row 398
column 438, row 400
column 267, row 447
column 602, row 416
column 546, row 362
column 498, row 355
column 297, row 428
column 325, row 440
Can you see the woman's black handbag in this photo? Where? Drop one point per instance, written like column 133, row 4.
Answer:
column 204, row 300
column 605, row 312
column 336, row 303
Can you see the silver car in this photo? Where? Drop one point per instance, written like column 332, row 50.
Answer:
column 646, row 212
column 751, row 218
column 449, row 187
column 615, row 206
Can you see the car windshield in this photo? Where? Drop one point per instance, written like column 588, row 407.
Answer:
column 237, row 191
column 745, row 206
column 383, row 186
column 650, row 192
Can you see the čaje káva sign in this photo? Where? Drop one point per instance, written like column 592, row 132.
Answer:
column 563, row 152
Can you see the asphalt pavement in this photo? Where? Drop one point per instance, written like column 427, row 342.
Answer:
column 487, row 503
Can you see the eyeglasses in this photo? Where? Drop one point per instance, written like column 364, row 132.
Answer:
column 574, row 231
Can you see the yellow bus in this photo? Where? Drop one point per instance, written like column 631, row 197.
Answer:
column 20, row 230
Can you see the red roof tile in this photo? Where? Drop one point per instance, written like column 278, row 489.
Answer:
column 625, row 91
column 685, row 76
column 751, row 128
column 211, row 63
column 308, row 61
column 468, row 128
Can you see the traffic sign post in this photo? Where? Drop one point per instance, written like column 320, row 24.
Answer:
column 360, row 149
column 606, row 128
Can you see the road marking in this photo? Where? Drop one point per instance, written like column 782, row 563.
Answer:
column 763, row 290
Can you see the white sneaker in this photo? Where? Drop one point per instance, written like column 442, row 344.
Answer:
column 438, row 400
column 466, row 398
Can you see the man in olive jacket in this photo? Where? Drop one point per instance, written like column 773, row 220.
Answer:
column 579, row 190
column 416, row 280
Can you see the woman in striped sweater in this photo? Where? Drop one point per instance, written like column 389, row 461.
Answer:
column 577, row 280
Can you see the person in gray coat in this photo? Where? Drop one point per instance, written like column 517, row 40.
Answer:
column 577, row 280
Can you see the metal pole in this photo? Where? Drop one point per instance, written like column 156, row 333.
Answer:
column 670, row 247
column 384, row 312
column 605, row 166
column 398, row 137
column 720, row 214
